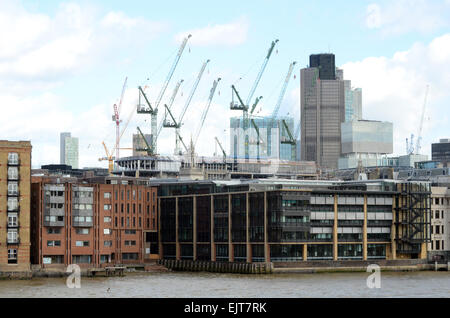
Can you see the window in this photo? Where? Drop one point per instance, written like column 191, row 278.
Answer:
column 13, row 188
column 13, row 158
column 134, row 208
column 107, row 195
column 53, row 230
column 130, row 243
column 134, row 194
column 82, row 231
column 134, row 222
column 12, row 256
column 436, row 215
column 107, row 219
column 82, row 243
column 107, row 243
column 130, row 231
column 53, row 243
column 13, row 219
column 81, row 259
column 437, row 245
column 13, row 173
column 128, row 221
column 106, row 231
column 128, row 195
column 13, row 236
column 436, row 201
column 129, row 256
column 53, row 218
column 107, row 207
column 13, row 204
column 437, row 229
column 89, row 219
column 115, row 221
column 128, row 208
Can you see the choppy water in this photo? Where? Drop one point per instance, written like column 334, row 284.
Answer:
column 193, row 285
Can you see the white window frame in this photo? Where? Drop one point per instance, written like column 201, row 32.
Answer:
column 12, row 254
column 107, row 231
column 13, row 235
column 13, row 158
column 13, row 204
column 13, row 173
column 107, row 195
column 13, row 188
column 13, row 219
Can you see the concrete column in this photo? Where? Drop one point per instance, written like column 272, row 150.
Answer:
column 393, row 230
column 247, row 229
column 335, row 228
column 160, row 246
column 305, row 252
column 230, row 244
column 213, row 244
column 266, row 230
column 365, row 229
column 194, row 227
column 177, row 242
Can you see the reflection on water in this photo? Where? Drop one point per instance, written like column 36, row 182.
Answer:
column 182, row 284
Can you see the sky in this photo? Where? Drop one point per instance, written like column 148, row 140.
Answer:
column 63, row 65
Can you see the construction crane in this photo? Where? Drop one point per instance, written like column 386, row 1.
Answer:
column 110, row 157
column 277, row 106
column 153, row 111
column 410, row 148
column 185, row 107
column 419, row 136
column 283, row 92
column 245, row 107
column 205, row 111
column 148, row 147
column 163, row 122
column 221, row 148
column 116, row 117
column 176, row 125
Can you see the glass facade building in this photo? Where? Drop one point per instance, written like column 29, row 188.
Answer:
column 271, row 145
column 368, row 141
column 69, row 150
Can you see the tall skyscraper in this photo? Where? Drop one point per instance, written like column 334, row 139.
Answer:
column 322, row 110
column 68, row 151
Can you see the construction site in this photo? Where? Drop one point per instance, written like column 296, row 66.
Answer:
column 260, row 146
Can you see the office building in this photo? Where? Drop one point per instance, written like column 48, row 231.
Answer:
column 290, row 221
column 15, row 180
column 353, row 103
column 366, row 142
column 441, row 151
column 274, row 139
column 139, row 144
column 322, row 99
column 68, row 150
column 92, row 225
column 440, row 221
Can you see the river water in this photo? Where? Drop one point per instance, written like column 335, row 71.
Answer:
column 193, row 285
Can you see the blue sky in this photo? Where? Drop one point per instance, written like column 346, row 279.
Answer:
column 62, row 64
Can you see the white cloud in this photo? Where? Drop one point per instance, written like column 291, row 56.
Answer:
column 38, row 53
column 39, row 46
column 402, row 16
column 229, row 34
column 394, row 90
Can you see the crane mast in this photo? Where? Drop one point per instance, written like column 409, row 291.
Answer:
column 245, row 107
column 154, row 111
column 221, row 148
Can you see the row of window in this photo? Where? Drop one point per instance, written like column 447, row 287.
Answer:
column 437, row 245
column 56, row 243
column 441, row 201
column 437, row 229
column 437, row 214
column 107, row 195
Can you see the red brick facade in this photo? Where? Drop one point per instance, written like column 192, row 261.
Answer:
column 97, row 225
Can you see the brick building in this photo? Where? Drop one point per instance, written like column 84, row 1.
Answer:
column 15, row 168
column 92, row 225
